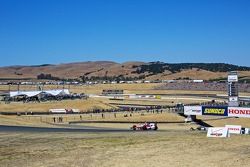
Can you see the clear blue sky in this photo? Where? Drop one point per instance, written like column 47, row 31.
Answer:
column 60, row 31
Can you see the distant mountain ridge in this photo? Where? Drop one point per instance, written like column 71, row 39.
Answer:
column 132, row 70
column 158, row 67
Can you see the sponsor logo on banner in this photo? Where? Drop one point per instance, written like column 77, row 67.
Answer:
column 192, row 110
column 218, row 132
column 232, row 78
column 238, row 112
column 234, row 129
column 214, row 110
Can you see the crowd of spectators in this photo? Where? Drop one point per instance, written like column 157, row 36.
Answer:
column 203, row 86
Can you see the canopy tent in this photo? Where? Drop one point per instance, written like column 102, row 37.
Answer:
column 24, row 93
column 57, row 92
column 35, row 93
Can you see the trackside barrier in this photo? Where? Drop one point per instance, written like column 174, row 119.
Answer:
column 193, row 110
column 247, row 131
column 234, row 129
column 57, row 111
column 64, row 111
column 218, row 111
column 239, row 112
column 215, row 110
column 218, row 132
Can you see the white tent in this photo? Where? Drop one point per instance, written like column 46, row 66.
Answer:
column 35, row 93
column 24, row 93
column 57, row 92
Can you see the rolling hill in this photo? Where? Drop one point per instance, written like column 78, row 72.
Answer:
column 131, row 70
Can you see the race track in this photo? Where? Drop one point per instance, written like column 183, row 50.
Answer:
column 6, row 128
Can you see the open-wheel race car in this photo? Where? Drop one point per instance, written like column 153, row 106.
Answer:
column 145, row 126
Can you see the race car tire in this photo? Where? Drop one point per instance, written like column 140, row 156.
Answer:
column 133, row 127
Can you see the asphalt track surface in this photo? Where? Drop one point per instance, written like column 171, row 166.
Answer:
column 86, row 129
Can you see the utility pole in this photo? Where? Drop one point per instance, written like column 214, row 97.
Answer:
column 9, row 86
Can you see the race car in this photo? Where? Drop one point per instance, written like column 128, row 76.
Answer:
column 145, row 126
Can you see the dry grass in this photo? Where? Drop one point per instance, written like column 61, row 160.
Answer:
column 244, row 122
column 99, row 103
column 42, row 120
column 88, row 89
column 103, row 68
column 143, row 88
column 142, row 116
column 20, row 120
column 166, row 100
column 192, row 74
column 83, row 105
column 147, row 88
column 167, row 148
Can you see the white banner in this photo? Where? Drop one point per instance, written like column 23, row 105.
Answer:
column 143, row 97
column 247, row 131
column 57, row 110
column 233, row 98
column 232, row 78
column 238, row 112
column 192, row 110
column 75, row 110
column 234, row 129
column 218, row 132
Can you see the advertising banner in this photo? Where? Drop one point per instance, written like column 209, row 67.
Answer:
column 57, row 111
column 192, row 110
column 215, row 110
column 143, row 97
column 218, row 132
column 158, row 96
column 232, row 78
column 234, row 129
column 239, row 112
column 247, row 131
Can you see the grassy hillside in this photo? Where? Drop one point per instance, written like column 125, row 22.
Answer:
column 106, row 70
